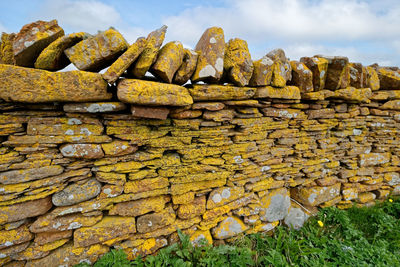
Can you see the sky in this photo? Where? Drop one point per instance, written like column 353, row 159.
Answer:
column 366, row 31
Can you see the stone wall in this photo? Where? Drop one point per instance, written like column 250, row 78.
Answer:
column 92, row 161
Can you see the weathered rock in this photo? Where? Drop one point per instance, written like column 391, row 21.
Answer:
column 69, row 256
column 25, row 175
column 202, row 92
column 97, row 52
column 281, row 69
column 262, row 72
column 149, row 55
column 48, row 237
column 238, row 65
column 160, row 113
column 124, row 61
column 53, row 57
column 338, row 73
column 187, row 67
column 99, row 107
column 353, row 94
column 150, row 222
column 49, row 223
column 32, row 39
column 373, row 159
column 199, row 236
column 143, row 185
column 108, row 228
column 76, row 193
column 220, row 115
column 296, row 218
column 318, row 67
column 287, row 92
column 372, row 79
column 358, row 75
column 196, row 208
column 221, row 196
column 228, row 228
column 142, row 92
column 389, row 79
column 275, row 205
column 212, row 106
column 313, row 196
column 326, row 113
column 211, row 50
column 118, row 148
column 139, row 207
column 6, row 49
column 24, row 210
column 14, row 237
column 7, row 253
column 37, row 86
column 82, row 151
column 302, row 76
column 169, row 59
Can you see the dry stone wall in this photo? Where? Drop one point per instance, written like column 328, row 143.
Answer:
column 92, row 161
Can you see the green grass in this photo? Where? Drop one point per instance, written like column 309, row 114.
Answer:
column 353, row 237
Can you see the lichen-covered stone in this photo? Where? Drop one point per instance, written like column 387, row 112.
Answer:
column 32, row 39
column 76, row 193
column 338, row 73
column 99, row 107
column 142, row 92
column 143, row 185
column 82, row 151
column 353, row 94
column 14, row 237
column 314, row 196
column 124, row 61
column 53, row 57
column 69, row 256
column 296, row 218
column 187, row 67
column 211, row 50
column 372, row 79
column 262, row 72
column 139, row 207
column 149, row 54
column 275, row 205
column 389, row 79
column 118, row 148
column 373, row 159
column 24, row 210
column 281, row 69
column 287, row 92
column 200, row 236
column 160, row 113
column 196, row 208
column 6, row 49
column 19, row 84
column 150, row 222
column 221, row 196
column 97, row 52
column 228, row 228
column 358, row 75
column 49, row 237
column 108, row 228
column 302, row 76
column 318, row 67
column 238, row 65
column 25, row 175
column 208, row 92
column 169, row 59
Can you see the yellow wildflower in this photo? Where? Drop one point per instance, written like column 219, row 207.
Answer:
column 321, row 224
column 390, row 200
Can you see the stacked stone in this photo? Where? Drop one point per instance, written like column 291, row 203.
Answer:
column 86, row 166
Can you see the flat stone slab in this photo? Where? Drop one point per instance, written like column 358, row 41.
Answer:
column 18, row 84
column 97, row 107
column 206, row 92
column 287, row 92
column 153, row 93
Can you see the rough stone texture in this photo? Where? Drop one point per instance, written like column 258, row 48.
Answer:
column 287, row 92
column 281, row 69
column 26, row 175
column 76, row 193
column 149, row 55
column 338, row 73
column 229, row 227
column 82, row 151
column 275, row 205
column 373, row 81
column 238, row 65
column 139, row 207
column 152, row 93
column 6, row 49
column 160, row 113
column 124, row 61
column 53, row 57
column 24, row 210
column 313, row 196
column 296, row 218
column 37, row 86
column 211, row 50
column 32, row 39
column 187, row 67
column 207, row 92
column 169, row 59
column 262, row 72
column 318, row 67
column 389, row 79
column 99, row 107
column 97, row 52
column 154, row 221
column 358, row 75
column 302, row 76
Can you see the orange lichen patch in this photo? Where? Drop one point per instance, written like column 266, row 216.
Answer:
column 372, row 79
column 287, row 92
column 143, row 185
column 6, row 49
column 149, row 246
column 196, row 208
column 36, row 86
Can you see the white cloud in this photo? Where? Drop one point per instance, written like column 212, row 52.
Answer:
column 348, row 25
column 81, row 15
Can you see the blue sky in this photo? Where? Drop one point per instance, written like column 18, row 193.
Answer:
column 365, row 31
